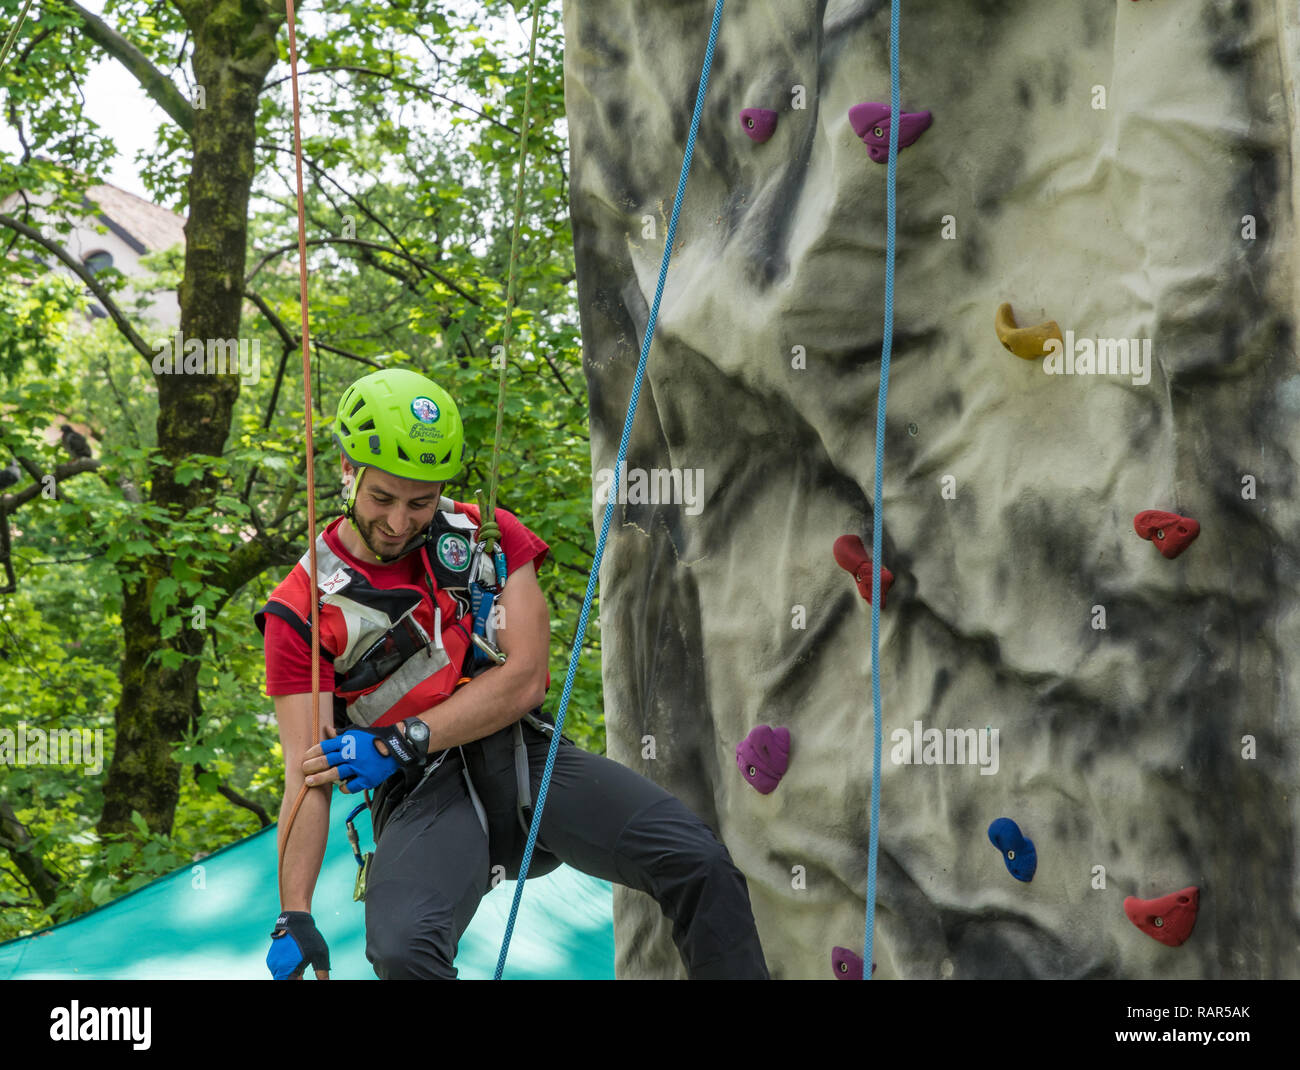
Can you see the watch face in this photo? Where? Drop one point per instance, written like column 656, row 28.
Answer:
column 418, row 731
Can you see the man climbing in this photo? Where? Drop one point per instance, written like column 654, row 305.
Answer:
column 447, row 725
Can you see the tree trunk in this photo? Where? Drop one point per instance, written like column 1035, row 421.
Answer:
column 234, row 50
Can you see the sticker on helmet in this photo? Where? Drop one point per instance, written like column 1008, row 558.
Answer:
column 453, row 551
column 424, row 433
column 425, row 410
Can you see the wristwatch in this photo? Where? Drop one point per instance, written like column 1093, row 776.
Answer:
column 417, row 734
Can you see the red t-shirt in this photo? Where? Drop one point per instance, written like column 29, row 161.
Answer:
column 288, row 657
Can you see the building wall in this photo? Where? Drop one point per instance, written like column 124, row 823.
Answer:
column 85, row 239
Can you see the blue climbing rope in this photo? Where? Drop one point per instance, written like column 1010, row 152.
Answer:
column 575, row 653
column 878, row 524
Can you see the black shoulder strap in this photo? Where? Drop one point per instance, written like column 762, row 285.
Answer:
column 293, row 620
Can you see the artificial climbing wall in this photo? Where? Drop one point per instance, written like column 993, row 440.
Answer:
column 1125, row 169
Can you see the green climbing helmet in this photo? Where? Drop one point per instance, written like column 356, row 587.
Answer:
column 402, row 423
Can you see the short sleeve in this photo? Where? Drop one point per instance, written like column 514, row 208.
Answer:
column 288, row 660
column 520, row 544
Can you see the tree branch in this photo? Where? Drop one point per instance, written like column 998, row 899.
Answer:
column 251, row 559
column 577, row 546
column 317, row 170
column 10, row 502
column 31, row 47
column 347, row 353
column 399, row 253
column 424, row 91
column 295, row 340
column 86, row 276
column 14, row 839
column 236, row 798
column 156, row 84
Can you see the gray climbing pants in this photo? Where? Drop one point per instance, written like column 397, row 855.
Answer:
column 433, row 862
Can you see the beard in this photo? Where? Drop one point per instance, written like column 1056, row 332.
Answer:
column 370, row 532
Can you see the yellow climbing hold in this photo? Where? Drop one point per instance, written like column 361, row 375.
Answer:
column 1025, row 342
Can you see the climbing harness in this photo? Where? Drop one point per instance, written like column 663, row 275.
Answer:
column 372, row 803
column 397, row 650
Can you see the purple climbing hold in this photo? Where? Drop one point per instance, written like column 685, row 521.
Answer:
column 758, row 123
column 763, row 757
column 846, row 965
column 870, row 122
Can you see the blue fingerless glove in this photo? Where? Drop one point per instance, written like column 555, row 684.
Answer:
column 296, row 942
column 359, row 762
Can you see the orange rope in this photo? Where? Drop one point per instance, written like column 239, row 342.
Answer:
column 311, row 456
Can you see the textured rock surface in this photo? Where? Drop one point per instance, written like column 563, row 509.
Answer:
column 1119, row 747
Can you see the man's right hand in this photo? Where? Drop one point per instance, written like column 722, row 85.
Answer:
column 296, row 942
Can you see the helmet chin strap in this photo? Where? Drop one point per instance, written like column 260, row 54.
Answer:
column 350, row 501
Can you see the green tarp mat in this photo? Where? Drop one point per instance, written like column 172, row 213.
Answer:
column 213, row 920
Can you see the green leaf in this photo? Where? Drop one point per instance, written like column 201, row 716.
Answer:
column 172, row 659
column 164, row 597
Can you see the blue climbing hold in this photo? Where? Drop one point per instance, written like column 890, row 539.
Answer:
column 1017, row 850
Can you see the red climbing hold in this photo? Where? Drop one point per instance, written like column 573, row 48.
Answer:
column 852, row 556
column 758, row 123
column 847, row 965
column 1168, row 919
column 1171, row 533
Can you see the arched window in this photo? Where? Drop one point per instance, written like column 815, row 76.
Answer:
column 98, row 261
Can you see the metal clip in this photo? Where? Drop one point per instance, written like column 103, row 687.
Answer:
column 488, row 649
column 363, row 864
column 476, row 571
column 359, row 888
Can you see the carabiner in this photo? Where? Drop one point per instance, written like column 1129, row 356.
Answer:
column 363, row 864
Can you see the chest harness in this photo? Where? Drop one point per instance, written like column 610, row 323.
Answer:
column 379, row 667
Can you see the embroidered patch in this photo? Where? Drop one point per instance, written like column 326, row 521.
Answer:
column 453, row 551
column 335, row 583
